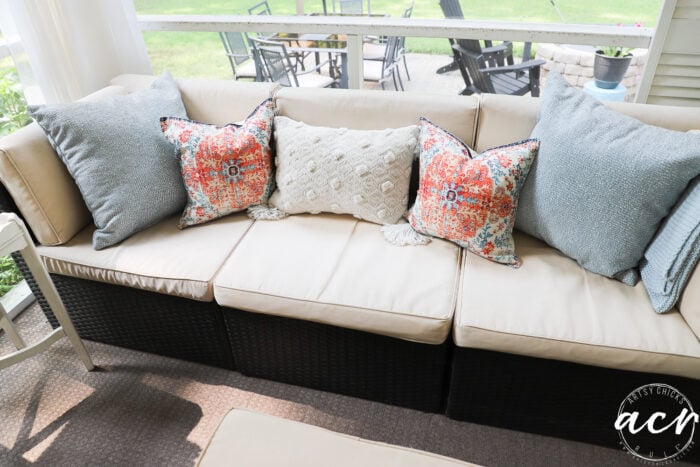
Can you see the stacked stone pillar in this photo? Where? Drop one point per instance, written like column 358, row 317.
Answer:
column 577, row 66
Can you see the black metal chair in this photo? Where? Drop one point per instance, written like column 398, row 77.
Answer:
column 277, row 66
column 262, row 8
column 243, row 64
column 351, row 7
column 380, row 71
column 374, row 49
column 401, row 47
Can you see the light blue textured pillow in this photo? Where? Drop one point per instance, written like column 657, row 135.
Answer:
column 128, row 174
column 602, row 181
column 672, row 255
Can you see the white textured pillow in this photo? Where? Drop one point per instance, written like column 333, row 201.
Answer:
column 365, row 173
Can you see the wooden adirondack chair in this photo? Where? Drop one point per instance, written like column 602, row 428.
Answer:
column 453, row 10
column 481, row 76
column 491, row 68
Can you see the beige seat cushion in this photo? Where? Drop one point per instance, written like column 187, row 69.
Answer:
column 689, row 303
column 253, row 439
column 246, row 70
column 373, row 71
column 40, row 184
column 160, row 259
column 338, row 270
column 372, row 110
column 552, row 308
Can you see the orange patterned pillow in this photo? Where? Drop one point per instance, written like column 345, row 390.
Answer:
column 225, row 169
column 470, row 199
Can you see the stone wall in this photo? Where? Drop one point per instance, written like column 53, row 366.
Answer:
column 576, row 66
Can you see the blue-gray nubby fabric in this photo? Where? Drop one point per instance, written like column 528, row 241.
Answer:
column 128, row 174
column 602, row 181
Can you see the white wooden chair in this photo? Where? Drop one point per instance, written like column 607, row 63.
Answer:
column 15, row 237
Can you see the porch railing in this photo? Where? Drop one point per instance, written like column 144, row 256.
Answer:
column 356, row 27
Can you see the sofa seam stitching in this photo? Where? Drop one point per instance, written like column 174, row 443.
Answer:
column 634, row 349
column 73, row 263
column 449, row 318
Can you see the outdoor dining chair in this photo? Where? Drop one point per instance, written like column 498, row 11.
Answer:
column 277, row 67
column 376, row 49
column 243, row 64
column 351, row 7
column 401, row 47
column 380, row 71
column 262, row 8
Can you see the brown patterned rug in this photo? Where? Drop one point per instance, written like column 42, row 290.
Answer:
column 143, row 409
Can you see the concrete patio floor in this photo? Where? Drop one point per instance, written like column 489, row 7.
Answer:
column 422, row 68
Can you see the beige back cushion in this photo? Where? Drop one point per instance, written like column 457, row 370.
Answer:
column 210, row 100
column 506, row 119
column 44, row 191
column 373, row 110
column 40, row 185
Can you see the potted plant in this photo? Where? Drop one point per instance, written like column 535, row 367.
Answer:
column 610, row 66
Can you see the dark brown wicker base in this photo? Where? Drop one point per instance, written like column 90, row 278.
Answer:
column 147, row 321
column 561, row 399
column 339, row 360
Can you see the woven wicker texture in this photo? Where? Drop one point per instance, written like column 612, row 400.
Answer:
column 141, row 409
column 147, row 321
column 549, row 397
column 339, row 360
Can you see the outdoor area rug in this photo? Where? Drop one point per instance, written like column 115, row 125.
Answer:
column 143, row 409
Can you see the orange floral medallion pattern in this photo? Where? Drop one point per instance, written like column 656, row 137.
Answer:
column 468, row 198
column 225, row 169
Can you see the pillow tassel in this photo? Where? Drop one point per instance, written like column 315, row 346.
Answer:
column 261, row 212
column 403, row 234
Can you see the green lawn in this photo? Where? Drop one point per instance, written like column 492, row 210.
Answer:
column 201, row 54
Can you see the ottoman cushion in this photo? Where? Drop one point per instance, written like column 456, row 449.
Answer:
column 252, row 439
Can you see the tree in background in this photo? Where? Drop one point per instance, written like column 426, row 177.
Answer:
column 13, row 106
column 13, row 116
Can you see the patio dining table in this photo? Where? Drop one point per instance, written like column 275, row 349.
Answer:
column 332, row 44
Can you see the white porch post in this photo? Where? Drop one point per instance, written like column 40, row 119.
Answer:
column 356, row 71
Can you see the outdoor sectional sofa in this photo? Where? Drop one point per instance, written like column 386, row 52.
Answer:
column 324, row 301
